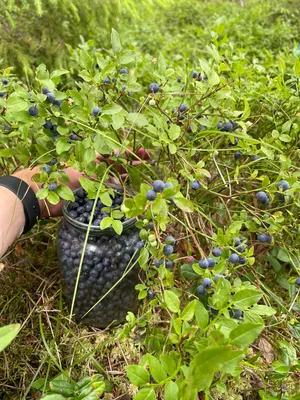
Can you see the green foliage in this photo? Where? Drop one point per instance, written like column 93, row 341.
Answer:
column 7, row 334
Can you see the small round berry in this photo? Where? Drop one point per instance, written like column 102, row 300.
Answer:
column 52, row 187
column 47, row 124
column 182, row 107
column 211, row 262
column 47, row 169
column 96, row 111
column 73, row 136
column 151, row 195
column 106, row 81
column 50, row 97
column 195, row 74
column 237, row 314
column 33, row 111
column 236, row 241
column 216, row 252
column 169, row 264
column 201, row 290
column 238, row 155
column 157, row 263
column 254, row 158
column 242, row 260
column 262, row 197
column 170, row 240
column 234, row 258
column 154, row 87
column 123, row 71
column 53, row 161
column 140, row 245
column 203, row 263
column 240, row 248
column 4, row 81
column 158, row 186
column 168, row 250
column 195, row 185
column 264, row 238
column 206, row 282
column 298, row 281
column 150, row 294
column 220, row 126
column 283, row 185
column 45, row 90
column 227, row 126
column 168, row 185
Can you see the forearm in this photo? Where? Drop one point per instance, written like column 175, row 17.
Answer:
column 12, row 218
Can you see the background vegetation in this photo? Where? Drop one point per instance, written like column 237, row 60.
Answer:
column 250, row 57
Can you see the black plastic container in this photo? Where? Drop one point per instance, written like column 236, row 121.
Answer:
column 109, row 270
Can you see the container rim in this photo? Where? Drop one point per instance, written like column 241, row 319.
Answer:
column 94, row 229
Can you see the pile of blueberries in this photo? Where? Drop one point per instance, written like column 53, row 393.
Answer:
column 106, row 258
column 80, row 210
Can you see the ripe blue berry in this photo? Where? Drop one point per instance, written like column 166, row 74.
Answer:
column 96, row 111
column 195, row 185
column 106, row 81
column 216, row 277
column 52, row 187
column 211, row 262
column 58, row 103
column 236, row 241
column 262, row 197
column 151, row 195
column 240, row 248
column 140, row 245
column 4, row 81
column 53, row 161
column 237, row 314
column 195, row 74
column 254, row 158
column 234, row 258
column 242, row 260
column 50, row 97
column 283, row 185
column 220, row 126
column 45, row 90
column 227, row 126
column 179, row 79
column 216, row 252
column 264, row 238
column 206, row 282
column 123, row 71
column 169, row 264
column 168, row 185
column 203, row 263
column 170, row 240
column 158, row 186
column 201, row 290
column 150, row 294
column 33, row 111
column 157, row 263
column 2, row 94
column 123, row 88
column 168, row 250
column 73, row 136
column 298, row 282
column 238, row 155
column 154, row 87
column 47, row 169
column 182, row 107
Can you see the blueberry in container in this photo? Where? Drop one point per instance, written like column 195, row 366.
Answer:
column 109, row 271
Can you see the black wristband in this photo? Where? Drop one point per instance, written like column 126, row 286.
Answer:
column 27, row 196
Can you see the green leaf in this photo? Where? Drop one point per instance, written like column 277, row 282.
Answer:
column 65, row 193
column 168, row 363
column 118, row 121
column 297, row 67
column 53, row 198
column 137, row 119
column 188, row 273
column 54, row 397
column 62, row 145
column 145, row 394
column 171, row 391
column 7, row 334
column 106, row 199
column 115, row 41
column 58, row 72
column 174, row 132
column 201, row 314
column 213, row 78
column 246, row 298
column 156, row 369
column 42, row 193
column 172, row 148
column 106, row 222
column 263, row 310
column 281, row 65
column 172, row 301
column 245, row 334
column 89, row 186
column 117, row 226
column 189, row 311
column 6, row 152
column 184, row 204
column 137, row 375
column 143, row 258
column 127, row 57
column 111, row 109
column 283, row 255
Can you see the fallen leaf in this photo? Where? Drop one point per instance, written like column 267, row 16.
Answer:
column 266, row 349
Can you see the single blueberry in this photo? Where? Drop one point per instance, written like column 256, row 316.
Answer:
column 254, row 158
column 47, row 169
column 157, row 263
column 106, row 81
column 262, row 197
column 169, row 264
column 203, row 263
column 195, row 185
column 47, row 124
column 201, row 290
column 298, row 281
column 45, row 90
column 140, row 244
column 195, row 74
column 151, row 195
column 211, row 262
column 235, row 142
column 168, row 250
column 4, row 81
column 33, row 111
column 2, row 94
column 179, row 79
column 150, row 294
column 234, row 258
column 283, row 185
column 216, row 252
column 227, row 126
column 206, row 282
column 242, row 260
column 236, row 241
column 170, row 240
column 52, row 187
column 238, row 155
column 158, row 186
column 53, row 161
column 50, row 97
column 123, row 71
column 220, row 126
column 182, row 107
column 240, row 248
column 264, row 238
column 237, row 314
column 168, row 185
column 123, row 88
column 96, row 111
column 73, row 136
column 57, row 103
column 154, row 87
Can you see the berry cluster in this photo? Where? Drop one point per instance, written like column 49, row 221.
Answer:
column 81, row 208
column 158, row 186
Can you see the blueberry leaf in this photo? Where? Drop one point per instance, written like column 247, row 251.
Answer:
column 117, row 226
column 115, row 42
column 106, row 222
column 53, row 198
column 137, row 375
column 65, row 193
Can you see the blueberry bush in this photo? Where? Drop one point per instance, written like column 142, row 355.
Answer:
column 215, row 200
